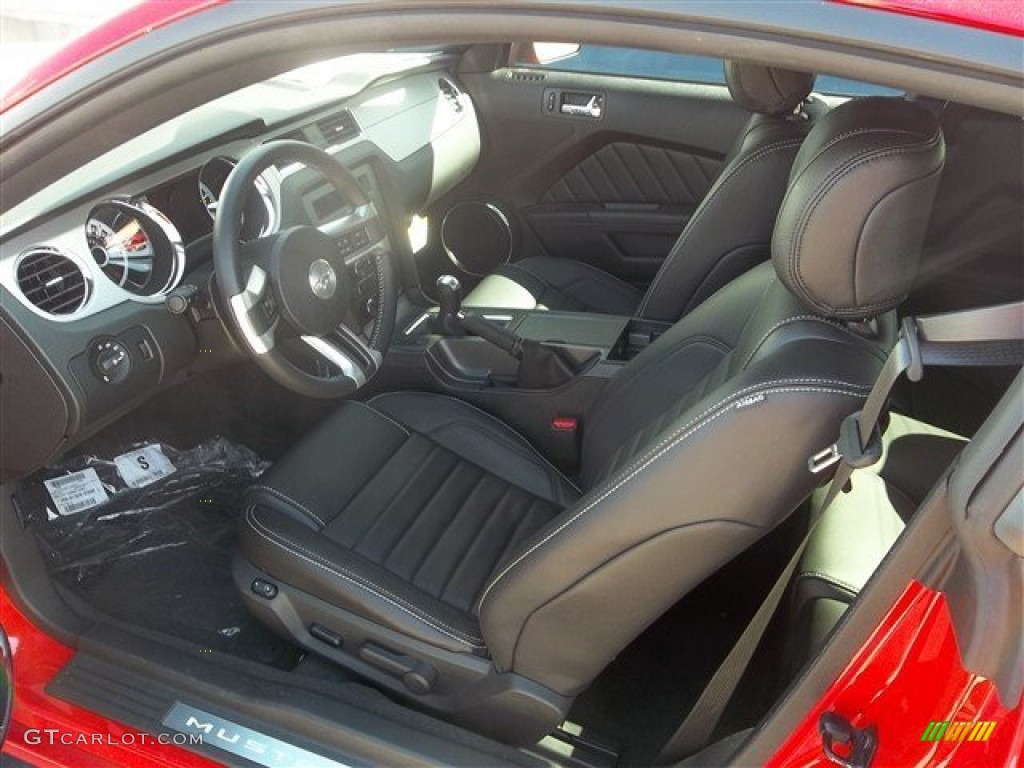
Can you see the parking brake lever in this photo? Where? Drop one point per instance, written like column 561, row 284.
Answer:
column 452, row 321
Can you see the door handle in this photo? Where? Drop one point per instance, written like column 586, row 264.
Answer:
column 592, row 107
column 575, row 103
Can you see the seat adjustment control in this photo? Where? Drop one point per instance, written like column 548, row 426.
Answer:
column 264, row 588
column 325, row 635
column 416, row 675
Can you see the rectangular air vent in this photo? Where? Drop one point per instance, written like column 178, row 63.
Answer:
column 526, row 77
column 338, row 128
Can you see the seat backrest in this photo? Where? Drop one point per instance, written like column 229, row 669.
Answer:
column 699, row 445
column 731, row 230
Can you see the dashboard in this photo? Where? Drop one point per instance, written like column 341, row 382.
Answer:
column 87, row 276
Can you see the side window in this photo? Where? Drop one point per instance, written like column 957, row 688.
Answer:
column 631, row 62
column 626, row 62
column 840, row 86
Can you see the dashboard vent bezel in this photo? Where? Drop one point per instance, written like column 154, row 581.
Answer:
column 451, row 94
column 333, row 136
column 54, row 303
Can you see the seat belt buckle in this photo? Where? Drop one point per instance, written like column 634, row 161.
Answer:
column 848, row 448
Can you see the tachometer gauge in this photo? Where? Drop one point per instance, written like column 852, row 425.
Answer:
column 260, row 217
column 135, row 246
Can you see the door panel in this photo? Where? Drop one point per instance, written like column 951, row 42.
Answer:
column 635, row 173
column 622, row 207
column 627, row 240
column 614, row 190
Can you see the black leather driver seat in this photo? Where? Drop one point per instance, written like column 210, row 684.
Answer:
column 428, row 546
column 728, row 233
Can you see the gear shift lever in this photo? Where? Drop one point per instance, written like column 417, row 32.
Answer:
column 449, row 291
column 452, row 321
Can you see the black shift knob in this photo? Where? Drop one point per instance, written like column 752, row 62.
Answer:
column 449, row 291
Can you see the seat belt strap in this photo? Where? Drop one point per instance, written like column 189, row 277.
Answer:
column 991, row 336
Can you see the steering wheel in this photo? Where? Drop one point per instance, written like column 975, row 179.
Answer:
column 297, row 283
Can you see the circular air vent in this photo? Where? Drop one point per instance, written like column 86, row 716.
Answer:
column 51, row 281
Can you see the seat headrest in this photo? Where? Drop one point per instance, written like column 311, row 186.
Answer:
column 851, row 226
column 768, row 90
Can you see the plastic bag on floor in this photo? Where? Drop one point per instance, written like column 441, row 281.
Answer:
column 89, row 510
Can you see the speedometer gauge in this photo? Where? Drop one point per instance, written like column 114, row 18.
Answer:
column 260, row 217
column 135, row 246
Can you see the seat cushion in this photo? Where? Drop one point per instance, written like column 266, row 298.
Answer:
column 559, row 284
column 421, row 500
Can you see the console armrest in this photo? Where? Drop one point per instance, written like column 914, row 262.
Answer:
column 576, row 329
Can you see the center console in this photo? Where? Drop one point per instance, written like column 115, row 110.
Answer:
column 567, row 358
column 589, row 343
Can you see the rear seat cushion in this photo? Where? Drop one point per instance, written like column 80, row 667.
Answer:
column 862, row 525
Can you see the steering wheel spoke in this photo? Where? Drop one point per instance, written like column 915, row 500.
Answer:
column 255, row 312
column 347, row 352
column 302, row 289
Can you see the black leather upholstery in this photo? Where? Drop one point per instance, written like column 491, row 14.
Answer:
column 768, row 90
column 848, row 236
column 728, row 233
column 424, row 517
column 861, row 526
column 684, row 466
column 414, row 520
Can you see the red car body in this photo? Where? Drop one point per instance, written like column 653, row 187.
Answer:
column 907, row 675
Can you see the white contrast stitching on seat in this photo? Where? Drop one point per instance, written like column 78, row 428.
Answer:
column 787, row 321
column 382, row 415
column 290, row 546
column 698, row 422
column 500, row 423
column 289, row 499
column 855, row 132
column 795, row 249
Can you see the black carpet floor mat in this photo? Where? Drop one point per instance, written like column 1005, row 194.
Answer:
column 157, row 555
column 186, row 592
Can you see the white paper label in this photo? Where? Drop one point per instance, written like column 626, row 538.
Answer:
column 144, row 466
column 76, row 492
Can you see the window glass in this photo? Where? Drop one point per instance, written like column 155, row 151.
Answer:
column 631, row 62
column 840, row 86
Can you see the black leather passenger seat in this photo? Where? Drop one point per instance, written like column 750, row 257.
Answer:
column 861, row 526
column 728, row 234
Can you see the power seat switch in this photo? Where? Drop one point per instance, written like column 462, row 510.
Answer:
column 264, row 589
